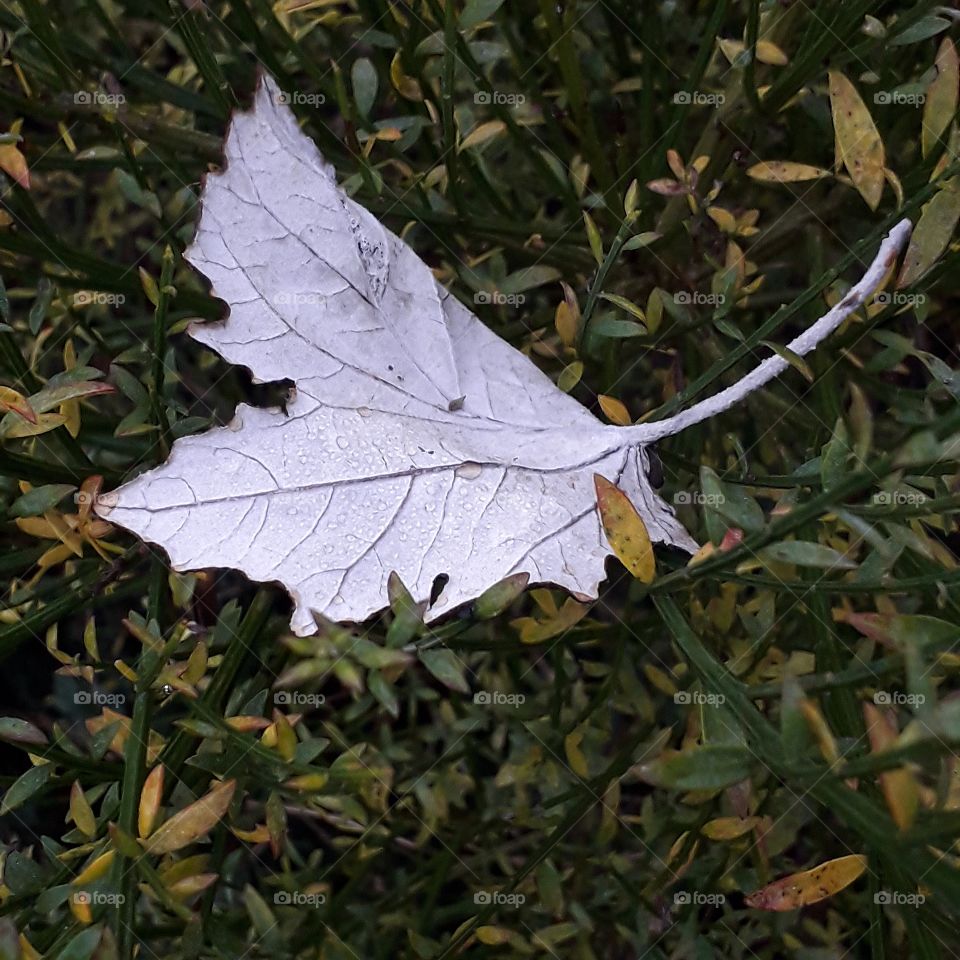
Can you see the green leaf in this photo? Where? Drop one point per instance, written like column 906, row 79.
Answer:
column 605, row 325
column 700, row 768
column 731, row 502
column 447, row 667
column 81, row 947
column 931, row 234
column 15, row 730
column 25, row 786
column 804, row 553
column 527, row 278
column 38, row 312
column 476, row 11
column 923, row 29
column 40, row 499
column 363, row 78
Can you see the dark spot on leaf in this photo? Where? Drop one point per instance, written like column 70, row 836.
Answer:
column 439, row 582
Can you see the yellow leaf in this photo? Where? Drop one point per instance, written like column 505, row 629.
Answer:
column 858, row 143
column 614, row 410
column 150, row 287
column 575, row 756
column 625, row 530
column 932, row 234
column 570, row 376
column 286, row 738
column 494, row 936
column 768, row 52
column 307, row 781
column 194, row 821
column 724, row 219
column 80, row 812
column 941, row 102
column 567, row 324
column 96, row 870
column 14, row 164
column 483, row 133
column 900, row 788
column 819, row 728
column 407, row 87
column 196, row 664
column 593, row 235
column 44, row 424
column 810, row 886
column 172, row 871
column 783, row 171
column 10, row 399
column 28, row 950
column 189, row 886
column 259, row 834
column 150, row 797
column 80, row 907
column 728, row 828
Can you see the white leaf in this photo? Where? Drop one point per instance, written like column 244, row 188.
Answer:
column 418, row 441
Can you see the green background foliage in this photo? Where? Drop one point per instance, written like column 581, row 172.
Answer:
column 536, row 776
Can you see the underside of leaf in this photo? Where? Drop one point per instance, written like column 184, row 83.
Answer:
column 417, row 442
